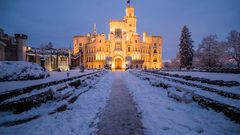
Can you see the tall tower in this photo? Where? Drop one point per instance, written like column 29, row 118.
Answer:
column 131, row 19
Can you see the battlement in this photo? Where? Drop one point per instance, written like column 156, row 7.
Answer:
column 20, row 36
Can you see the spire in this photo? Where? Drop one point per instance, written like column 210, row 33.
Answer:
column 94, row 29
column 128, row 2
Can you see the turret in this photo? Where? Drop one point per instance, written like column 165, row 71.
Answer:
column 144, row 36
column 21, row 40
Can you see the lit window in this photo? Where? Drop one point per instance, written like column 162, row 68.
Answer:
column 155, row 60
column 118, row 46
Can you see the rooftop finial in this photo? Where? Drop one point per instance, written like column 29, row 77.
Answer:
column 128, row 2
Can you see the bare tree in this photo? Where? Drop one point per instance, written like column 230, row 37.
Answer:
column 209, row 51
column 175, row 63
column 233, row 42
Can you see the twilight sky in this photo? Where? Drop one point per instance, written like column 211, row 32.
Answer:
column 59, row 20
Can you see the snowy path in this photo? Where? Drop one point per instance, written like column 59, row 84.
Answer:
column 120, row 116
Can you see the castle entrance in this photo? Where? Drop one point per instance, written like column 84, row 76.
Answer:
column 118, row 63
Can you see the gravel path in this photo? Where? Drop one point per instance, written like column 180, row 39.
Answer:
column 120, row 116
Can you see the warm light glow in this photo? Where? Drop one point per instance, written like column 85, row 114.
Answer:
column 122, row 35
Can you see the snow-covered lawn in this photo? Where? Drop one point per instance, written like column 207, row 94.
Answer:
column 77, row 120
column 212, row 76
column 208, row 94
column 10, row 85
column 163, row 115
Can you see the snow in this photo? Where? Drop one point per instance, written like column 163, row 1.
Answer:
column 20, row 70
column 163, row 115
column 11, row 85
column 74, row 121
column 214, row 96
column 159, row 113
column 212, row 76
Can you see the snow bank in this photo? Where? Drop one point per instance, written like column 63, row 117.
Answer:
column 54, row 76
column 212, row 76
column 20, row 70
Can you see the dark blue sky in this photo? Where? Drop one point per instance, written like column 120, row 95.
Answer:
column 59, row 20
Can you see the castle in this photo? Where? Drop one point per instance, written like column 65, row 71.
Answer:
column 124, row 47
column 12, row 48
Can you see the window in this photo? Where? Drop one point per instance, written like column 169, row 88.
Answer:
column 118, row 33
column 136, row 41
column 155, row 51
column 130, row 25
column 129, row 49
column 118, row 46
column 80, row 44
column 155, row 60
column 100, row 41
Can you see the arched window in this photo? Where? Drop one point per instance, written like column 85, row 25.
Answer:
column 155, row 51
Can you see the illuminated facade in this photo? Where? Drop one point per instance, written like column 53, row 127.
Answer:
column 50, row 58
column 123, row 48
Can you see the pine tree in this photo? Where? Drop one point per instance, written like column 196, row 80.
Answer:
column 186, row 48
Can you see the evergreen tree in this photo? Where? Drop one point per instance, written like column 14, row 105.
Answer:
column 186, row 48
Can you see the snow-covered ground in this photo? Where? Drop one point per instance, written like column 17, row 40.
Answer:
column 159, row 113
column 74, row 121
column 20, row 70
column 163, row 115
column 212, row 76
column 211, row 95
column 10, row 85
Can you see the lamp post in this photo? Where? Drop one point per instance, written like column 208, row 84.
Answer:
column 80, row 61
